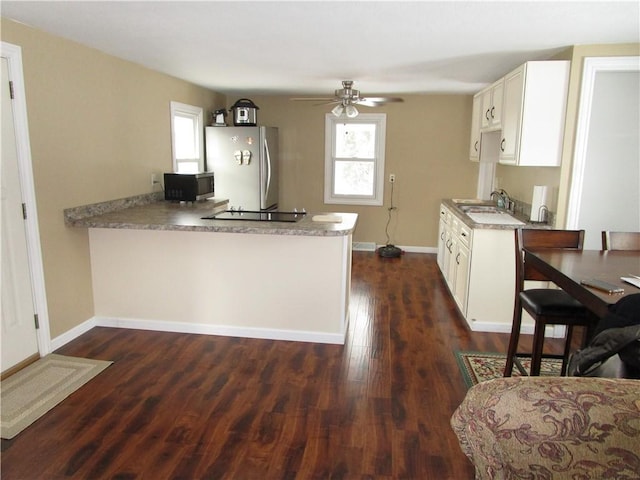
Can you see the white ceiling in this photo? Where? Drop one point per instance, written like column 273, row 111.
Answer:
column 302, row 47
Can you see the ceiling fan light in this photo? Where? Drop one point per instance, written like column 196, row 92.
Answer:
column 352, row 111
column 337, row 110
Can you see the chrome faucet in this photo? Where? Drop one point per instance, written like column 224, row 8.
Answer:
column 503, row 199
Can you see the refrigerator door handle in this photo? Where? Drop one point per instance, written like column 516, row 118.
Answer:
column 268, row 158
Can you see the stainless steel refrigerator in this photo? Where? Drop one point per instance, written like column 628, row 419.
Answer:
column 244, row 161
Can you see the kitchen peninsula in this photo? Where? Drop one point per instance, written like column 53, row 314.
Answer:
column 160, row 266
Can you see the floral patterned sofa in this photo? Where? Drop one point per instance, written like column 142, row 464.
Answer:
column 576, row 428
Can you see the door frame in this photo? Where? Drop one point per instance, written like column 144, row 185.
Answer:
column 13, row 54
column 592, row 66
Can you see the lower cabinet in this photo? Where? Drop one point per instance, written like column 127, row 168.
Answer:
column 478, row 266
column 454, row 255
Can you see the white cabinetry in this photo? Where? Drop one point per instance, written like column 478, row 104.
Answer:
column 443, row 233
column 454, row 255
column 474, row 145
column 460, row 260
column 478, row 265
column 492, row 106
column 486, row 115
column 533, row 114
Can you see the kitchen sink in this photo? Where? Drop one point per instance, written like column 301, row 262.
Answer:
column 496, row 217
column 470, row 201
column 480, row 209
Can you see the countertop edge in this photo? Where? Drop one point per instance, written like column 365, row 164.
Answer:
column 73, row 215
column 152, row 212
column 454, row 207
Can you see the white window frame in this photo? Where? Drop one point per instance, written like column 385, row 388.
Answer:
column 331, row 121
column 197, row 115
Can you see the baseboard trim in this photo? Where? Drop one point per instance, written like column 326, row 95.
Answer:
column 550, row 332
column 372, row 247
column 69, row 335
column 223, row 330
column 363, row 246
column 410, row 249
column 179, row 327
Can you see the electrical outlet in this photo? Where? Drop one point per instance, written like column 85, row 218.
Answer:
column 155, row 180
column 392, row 178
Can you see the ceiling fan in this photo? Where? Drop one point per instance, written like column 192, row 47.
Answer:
column 347, row 98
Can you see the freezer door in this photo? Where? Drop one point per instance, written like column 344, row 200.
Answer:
column 269, row 190
column 233, row 154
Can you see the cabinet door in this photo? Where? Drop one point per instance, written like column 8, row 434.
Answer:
column 511, row 115
column 461, row 261
column 497, row 91
column 485, row 119
column 474, row 147
column 491, row 103
column 450, row 257
column 442, row 239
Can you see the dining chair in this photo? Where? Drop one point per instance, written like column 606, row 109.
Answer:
column 620, row 240
column 547, row 306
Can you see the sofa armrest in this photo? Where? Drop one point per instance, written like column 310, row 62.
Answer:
column 551, row 428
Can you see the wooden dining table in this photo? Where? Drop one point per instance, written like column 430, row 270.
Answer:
column 567, row 268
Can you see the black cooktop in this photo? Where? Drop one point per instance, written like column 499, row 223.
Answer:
column 257, row 216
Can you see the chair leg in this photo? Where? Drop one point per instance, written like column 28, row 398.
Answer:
column 513, row 340
column 567, row 349
column 538, row 345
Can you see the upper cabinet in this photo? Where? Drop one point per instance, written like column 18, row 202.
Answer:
column 474, row 145
column 492, row 106
column 528, row 107
column 533, row 115
column 487, row 112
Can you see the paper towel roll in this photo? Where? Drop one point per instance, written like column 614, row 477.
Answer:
column 539, row 199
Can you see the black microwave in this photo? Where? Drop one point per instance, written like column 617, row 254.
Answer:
column 188, row 187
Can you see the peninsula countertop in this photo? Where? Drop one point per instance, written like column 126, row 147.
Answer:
column 152, row 212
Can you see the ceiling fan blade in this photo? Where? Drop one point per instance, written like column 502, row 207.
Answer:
column 381, row 100
column 365, row 102
column 329, row 102
column 311, row 99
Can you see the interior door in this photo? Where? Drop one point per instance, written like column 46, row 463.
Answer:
column 19, row 337
column 605, row 191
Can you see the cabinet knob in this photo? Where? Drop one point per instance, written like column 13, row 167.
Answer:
column 486, row 114
column 475, row 146
column 502, row 144
column 493, row 110
column 458, row 259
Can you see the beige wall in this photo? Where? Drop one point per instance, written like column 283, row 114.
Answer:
column 519, row 181
column 427, row 148
column 578, row 54
column 99, row 127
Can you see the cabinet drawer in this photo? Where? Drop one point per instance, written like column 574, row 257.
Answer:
column 445, row 215
column 464, row 234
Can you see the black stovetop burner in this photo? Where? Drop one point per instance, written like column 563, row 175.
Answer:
column 257, row 216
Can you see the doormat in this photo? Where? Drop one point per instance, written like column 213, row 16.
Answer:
column 30, row 393
column 479, row 367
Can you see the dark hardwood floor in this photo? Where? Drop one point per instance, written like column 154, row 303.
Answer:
column 179, row 406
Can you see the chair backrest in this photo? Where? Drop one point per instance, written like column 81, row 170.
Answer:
column 620, row 240
column 539, row 238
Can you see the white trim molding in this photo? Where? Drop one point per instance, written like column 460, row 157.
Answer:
column 197, row 329
column 13, row 54
column 592, row 66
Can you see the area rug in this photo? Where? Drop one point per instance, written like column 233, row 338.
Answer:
column 36, row 389
column 478, row 367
